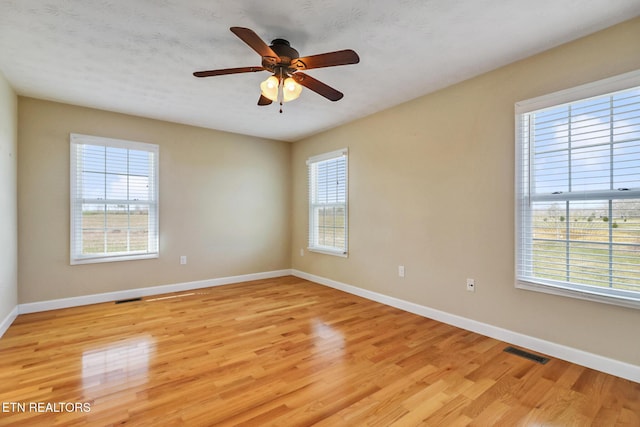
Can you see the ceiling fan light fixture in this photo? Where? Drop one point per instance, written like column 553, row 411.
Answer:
column 290, row 90
column 282, row 60
column 269, row 88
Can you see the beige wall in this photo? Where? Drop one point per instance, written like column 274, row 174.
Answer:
column 431, row 188
column 224, row 202
column 8, row 199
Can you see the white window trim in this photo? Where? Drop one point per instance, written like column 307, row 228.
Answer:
column 589, row 90
column 75, row 247
column 327, row 250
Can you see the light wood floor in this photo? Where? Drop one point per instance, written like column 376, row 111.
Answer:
column 286, row 352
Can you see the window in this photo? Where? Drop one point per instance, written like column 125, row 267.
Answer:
column 578, row 192
column 328, row 203
column 114, row 200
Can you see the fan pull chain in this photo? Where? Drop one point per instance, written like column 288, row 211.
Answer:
column 281, row 89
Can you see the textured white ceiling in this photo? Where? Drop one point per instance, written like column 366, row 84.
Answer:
column 137, row 56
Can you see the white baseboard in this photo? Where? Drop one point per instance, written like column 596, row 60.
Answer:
column 55, row 304
column 573, row 355
column 7, row 321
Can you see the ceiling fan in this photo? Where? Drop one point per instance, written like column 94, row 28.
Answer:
column 284, row 62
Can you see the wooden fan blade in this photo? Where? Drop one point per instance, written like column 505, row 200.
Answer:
column 255, row 42
column 317, row 86
column 329, row 59
column 224, row 71
column 264, row 100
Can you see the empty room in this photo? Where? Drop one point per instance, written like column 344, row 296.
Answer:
column 320, row 213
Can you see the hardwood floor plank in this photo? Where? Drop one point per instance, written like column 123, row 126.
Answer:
column 285, row 352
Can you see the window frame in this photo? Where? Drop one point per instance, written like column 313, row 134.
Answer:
column 523, row 184
column 313, row 235
column 76, row 201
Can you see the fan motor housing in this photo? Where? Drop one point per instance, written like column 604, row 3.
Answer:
column 284, row 50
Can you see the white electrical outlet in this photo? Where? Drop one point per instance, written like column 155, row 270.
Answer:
column 401, row 270
column 183, row 259
column 301, row 252
column 471, row 285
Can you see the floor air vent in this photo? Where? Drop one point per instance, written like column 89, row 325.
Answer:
column 527, row 355
column 122, row 301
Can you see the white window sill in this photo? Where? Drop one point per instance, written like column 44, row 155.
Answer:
column 329, row 252
column 113, row 258
column 588, row 293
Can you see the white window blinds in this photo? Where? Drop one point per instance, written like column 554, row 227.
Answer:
column 578, row 196
column 114, row 199
column 328, row 189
